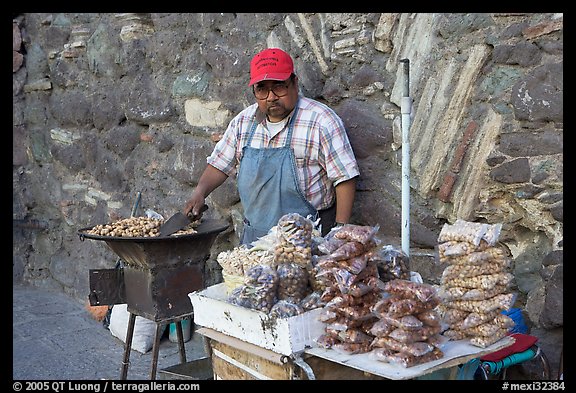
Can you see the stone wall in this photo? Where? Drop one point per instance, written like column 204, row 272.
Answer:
column 109, row 105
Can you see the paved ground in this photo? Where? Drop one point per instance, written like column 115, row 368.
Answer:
column 55, row 338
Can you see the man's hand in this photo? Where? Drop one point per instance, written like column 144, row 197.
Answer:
column 194, row 206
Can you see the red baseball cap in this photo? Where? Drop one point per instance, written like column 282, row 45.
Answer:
column 270, row 64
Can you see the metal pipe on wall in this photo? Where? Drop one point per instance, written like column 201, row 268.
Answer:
column 406, row 109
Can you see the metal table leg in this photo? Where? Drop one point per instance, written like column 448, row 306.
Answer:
column 181, row 347
column 155, row 347
column 155, row 350
column 128, row 346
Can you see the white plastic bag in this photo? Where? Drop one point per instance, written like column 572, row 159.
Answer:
column 144, row 329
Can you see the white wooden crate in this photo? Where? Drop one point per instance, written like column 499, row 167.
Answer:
column 281, row 335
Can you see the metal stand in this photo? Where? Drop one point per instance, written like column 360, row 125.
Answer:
column 155, row 347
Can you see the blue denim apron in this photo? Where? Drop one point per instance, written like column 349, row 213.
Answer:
column 268, row 186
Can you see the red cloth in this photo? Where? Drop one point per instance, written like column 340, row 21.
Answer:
column 522, row 343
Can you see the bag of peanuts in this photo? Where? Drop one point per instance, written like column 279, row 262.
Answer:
column 294, row 239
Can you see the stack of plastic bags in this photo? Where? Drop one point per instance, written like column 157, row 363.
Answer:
column 474, row 287
column 408, row 330
column 279, row 284
column 350, row 283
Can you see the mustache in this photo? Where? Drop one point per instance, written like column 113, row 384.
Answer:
column 274, row 105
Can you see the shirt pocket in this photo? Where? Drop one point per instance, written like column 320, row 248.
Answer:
column 306, row 163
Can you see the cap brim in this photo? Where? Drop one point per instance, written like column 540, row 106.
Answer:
column 270, row 77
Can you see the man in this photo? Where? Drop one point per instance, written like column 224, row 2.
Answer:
column 291, row 154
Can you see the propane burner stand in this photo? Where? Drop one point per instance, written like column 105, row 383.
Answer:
column 158, row 275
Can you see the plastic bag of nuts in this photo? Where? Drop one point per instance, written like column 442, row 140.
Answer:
column 285, row 309
column 392, row 263
column 292, row 282
column 294, row 239
column 259, row 291
column 296, row 229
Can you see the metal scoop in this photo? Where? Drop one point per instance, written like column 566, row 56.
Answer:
column 179, row 221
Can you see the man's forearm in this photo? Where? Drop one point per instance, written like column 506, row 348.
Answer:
column 345, row 193
column 211, row 179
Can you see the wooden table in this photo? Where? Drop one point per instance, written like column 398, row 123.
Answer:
column 233, row 358
column 455, row 354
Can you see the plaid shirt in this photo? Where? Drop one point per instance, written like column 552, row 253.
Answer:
column 324, row 156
